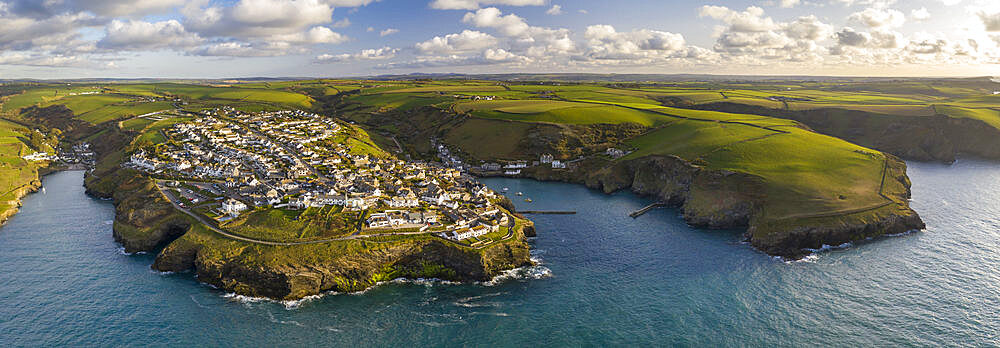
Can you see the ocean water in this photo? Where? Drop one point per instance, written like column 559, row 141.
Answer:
column 604, row 279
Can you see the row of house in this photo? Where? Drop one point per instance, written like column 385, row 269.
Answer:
column 278, row 169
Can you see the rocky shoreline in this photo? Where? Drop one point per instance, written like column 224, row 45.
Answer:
column 717, row 199
column 15, row 204
column 31, row 187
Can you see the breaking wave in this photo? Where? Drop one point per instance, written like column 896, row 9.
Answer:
column 289, row 304
column 827, row 247
column 520, row 273
column 121, row 250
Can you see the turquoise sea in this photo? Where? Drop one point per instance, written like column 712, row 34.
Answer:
column 604, row 279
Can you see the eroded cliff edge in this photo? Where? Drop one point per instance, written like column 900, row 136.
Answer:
column 722, row 199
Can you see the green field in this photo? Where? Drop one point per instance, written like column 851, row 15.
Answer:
column 15, row 172
column 989, row 115
column 42, row 94
column 293, row 225
column 153, row 133
column 137, row 124
column 552, row 111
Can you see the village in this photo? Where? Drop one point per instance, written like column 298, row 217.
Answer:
column 78, row 156
column 226, row 163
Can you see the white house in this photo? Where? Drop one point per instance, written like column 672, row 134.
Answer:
column 615, row 153
column 403, row 202
column 233, row 207
column 546, row 158
column 471, row 232
column 378, row 220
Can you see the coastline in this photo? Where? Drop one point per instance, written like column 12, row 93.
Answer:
column 33, row 186
column 15, row 204
column 716, row 199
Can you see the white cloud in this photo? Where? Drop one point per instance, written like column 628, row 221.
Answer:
column 53, row 61
column 531, row 40
column 872, row 3
column 476, row 4
column 140, row 35
column 54, row 33
column 497, row 56
column 368, row 54
column 509, row 25
column 256, row 18
column 789, row 3
column 265, row 27
column 126, row 7
column 751, row 20
column 350, row 3
column 555, row 10
column 246, row 49
column 920, row 14
column 752, row 36
column 874, row 17
column 388, row 32
column 464, row 42
column 343, row 23
column 848, row 37
column 48, row 8
column 990, row 20
column 607, row 43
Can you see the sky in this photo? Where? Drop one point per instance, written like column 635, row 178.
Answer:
column 344, row 38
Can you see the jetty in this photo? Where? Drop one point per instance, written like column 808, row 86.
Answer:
column 647, row 208
column 550, row 212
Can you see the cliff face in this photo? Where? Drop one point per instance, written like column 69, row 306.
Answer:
column 240, row 269
column 11, row 207
column 923, row 138
column 144, row 220
column 721, row 199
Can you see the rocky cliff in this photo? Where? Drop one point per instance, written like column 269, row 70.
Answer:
column 9, row 208
column 296, row 272
column 721, row 199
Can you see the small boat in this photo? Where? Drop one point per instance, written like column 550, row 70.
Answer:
column 528, row 200
column 520, row 194
column 505, row 189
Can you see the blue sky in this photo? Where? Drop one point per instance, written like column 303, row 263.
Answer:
column 329, row 38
